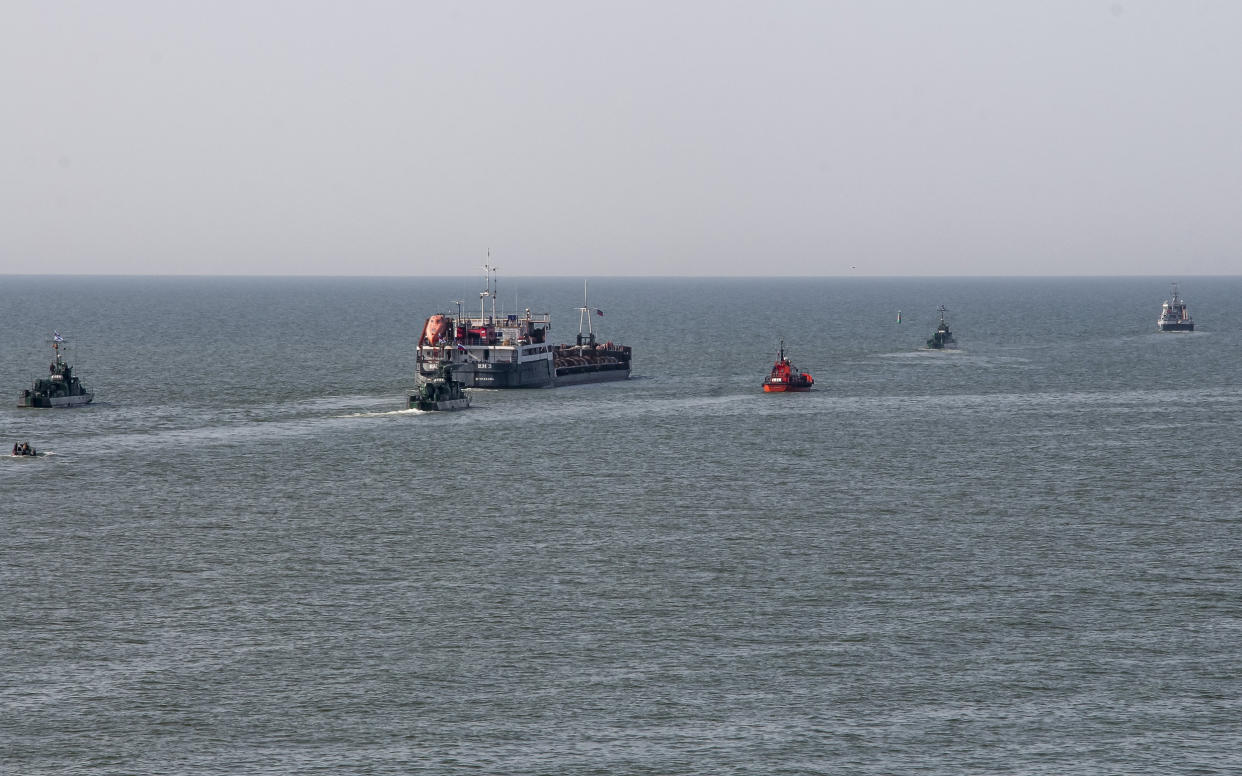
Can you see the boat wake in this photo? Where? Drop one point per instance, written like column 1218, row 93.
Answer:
column 382, row 414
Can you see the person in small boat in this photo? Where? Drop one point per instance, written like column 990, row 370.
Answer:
column 17, row 448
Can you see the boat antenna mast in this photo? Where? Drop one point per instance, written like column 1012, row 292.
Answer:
column 495, row 287
column 584, row 314
column 57, row 341
column 484, row 294
column 489, row 279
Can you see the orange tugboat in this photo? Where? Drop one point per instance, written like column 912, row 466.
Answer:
column 786, row 377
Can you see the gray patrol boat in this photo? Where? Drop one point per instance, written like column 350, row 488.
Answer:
column 440, row 393
column 942, row 338
column 61, row 388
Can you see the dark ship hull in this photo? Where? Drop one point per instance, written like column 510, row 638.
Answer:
column 44, row 401
column 1177, row 326
column 502, row 367
column 592, row 373
column 488, row 374
column 438, row 405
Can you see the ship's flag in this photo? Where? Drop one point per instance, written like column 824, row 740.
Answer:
column 599, row 312
column 56, row 337
column 461, row 347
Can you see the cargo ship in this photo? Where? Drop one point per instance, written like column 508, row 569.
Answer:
column 1174, row 316
column 514, row 351
column 61, row 388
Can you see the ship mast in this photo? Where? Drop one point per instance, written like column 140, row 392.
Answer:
column 489, row 278
column 584, row 312
column 495, row 288
column 57, row 339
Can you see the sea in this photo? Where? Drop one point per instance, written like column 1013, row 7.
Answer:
column 248, row 557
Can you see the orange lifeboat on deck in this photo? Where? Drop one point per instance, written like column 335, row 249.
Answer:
column 785, row 377
column 434, row 330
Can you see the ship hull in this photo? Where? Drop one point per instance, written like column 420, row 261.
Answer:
column 774, row 388
column 581, row 375
column 54, row 402
column 447, row 405
column 535, row 374
column 538, row 373
column 1176, row 326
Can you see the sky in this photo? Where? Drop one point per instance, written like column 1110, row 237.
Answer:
column 579, row 138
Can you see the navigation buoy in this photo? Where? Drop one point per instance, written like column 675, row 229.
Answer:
column 899, row 316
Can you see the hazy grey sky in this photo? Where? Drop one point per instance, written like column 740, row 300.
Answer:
column 622, row 138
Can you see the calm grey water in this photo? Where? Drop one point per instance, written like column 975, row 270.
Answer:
column 1022, row 557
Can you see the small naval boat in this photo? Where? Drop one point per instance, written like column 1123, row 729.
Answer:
column 440, row 393
column 1174, row 316
column 785, row 377
column 23, row 449
column 943, row 338
column 61, row 388
column 514, row 350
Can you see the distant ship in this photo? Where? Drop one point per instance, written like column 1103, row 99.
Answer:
column 785, row 377
column 512, row 351
column 942, row 338
column 61, row 388
column 1174, row 316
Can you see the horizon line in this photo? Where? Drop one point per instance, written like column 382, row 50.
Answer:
column 586, row 275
